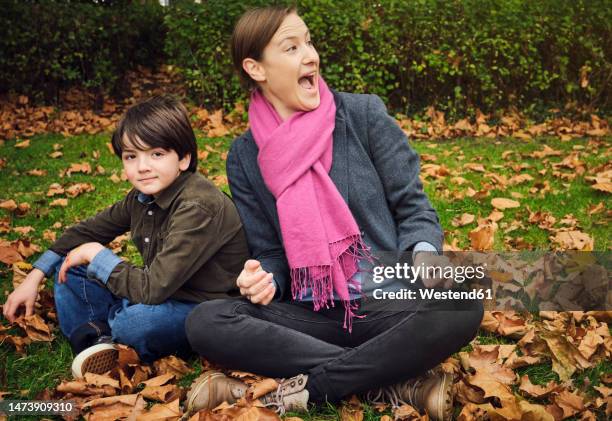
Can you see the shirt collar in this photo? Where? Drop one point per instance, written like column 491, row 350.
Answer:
column 168, row 195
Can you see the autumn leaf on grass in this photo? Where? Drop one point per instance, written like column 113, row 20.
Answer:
column 55, row 189
column 17, row 341
column 505, row 323
column 566, row 358
column 481, row 360
column 99, row 380
column 537, row 391
column 493, row 388
column 22, row 145
column 20, row 271
column 483, row 236
column 59, row 202
column 172, row 364
column 35, row 328
column 574, row 240
column 217, row 128
column 159, row 380
column 9, row 255
column 570, row 403
column 114, row 407
column 473, row 412
column 82, row 167
column 79, row 188
column 502, row 203
column 162, row 411
column 126, row 356
column 161, row 393
column 8, row 205
column 464, row 219
column 24, row 230
column 352, row 410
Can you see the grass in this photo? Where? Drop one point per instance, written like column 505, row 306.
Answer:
column 46, row 364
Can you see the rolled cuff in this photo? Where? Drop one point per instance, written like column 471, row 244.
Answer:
column 423, row 246
column 102, row 265
column 47, row 262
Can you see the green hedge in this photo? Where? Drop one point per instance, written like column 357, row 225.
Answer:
column 51, row 45
column 457, row 55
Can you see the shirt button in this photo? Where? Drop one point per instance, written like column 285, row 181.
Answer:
column 147, row 239
column 150, row 213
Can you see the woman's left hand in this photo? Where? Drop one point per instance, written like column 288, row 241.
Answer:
column 426, row 260
column 82, row 255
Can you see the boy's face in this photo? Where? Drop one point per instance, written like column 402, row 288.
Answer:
column 152, row 170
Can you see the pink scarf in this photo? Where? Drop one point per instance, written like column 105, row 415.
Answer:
column 321, row 238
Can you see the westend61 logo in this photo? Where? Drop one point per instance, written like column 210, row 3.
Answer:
column 409, row 273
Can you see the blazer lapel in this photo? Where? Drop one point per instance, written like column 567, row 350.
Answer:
column 340, row 165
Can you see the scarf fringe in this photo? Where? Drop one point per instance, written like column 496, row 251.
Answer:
column 319, row 280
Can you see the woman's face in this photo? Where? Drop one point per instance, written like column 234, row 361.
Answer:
column 289, row 70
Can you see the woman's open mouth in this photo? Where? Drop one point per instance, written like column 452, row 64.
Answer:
column 307, row 81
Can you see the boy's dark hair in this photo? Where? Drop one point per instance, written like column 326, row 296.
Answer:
column 159, row 122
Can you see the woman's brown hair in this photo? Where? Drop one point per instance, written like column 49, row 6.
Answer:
column 252, row 33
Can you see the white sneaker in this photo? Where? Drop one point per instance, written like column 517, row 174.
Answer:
column 98, row 359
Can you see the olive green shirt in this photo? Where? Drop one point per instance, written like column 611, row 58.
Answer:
column 190, row 237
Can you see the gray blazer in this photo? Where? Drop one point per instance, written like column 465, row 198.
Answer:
column 374, row 169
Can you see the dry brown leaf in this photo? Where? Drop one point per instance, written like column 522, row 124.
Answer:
column 114, row 407
column 126, row 356
column 536, row 391
column 159, row 380
column 79, row 188
column 55, row 189
column 605, row 187
column 494, row 388
column 59, row 202
column 260, row 388
column 463, row 220
column 160, row 393
column 502, row 203
column 35, row 327
column 474, row 167
column 570, row 403
column 24, row 144
column 37, row 172
column 101, row 380
column 534, row 412
column 162, row 411
column 574, row 240
column 483, row 236
column 24, row 230
column 406, row 413
column 9, row 255
column 8, row 205
column 172, row 364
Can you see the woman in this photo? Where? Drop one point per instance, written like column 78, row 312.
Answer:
column 324, row 182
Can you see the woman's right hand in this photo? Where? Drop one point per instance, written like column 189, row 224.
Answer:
column 256, row 284
column 24, row 295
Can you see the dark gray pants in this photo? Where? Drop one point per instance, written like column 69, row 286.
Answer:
column 284, row 339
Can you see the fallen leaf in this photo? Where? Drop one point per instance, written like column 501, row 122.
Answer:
column 502, row 203
column 483, row 236
column 24, row 144
column 161, row 411
column 9, row 205
column 9, row 255
column 172, row 364
column 260, row 388
column 463, row 220
column 59, row 202
column 536, row 391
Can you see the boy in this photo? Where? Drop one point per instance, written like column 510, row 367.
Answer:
column 188, row 233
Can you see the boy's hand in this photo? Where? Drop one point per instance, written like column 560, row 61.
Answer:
column 256, row 284
column 24, row 295
column 82, row 255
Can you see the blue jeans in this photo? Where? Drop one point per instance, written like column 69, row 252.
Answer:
column 153, row 331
